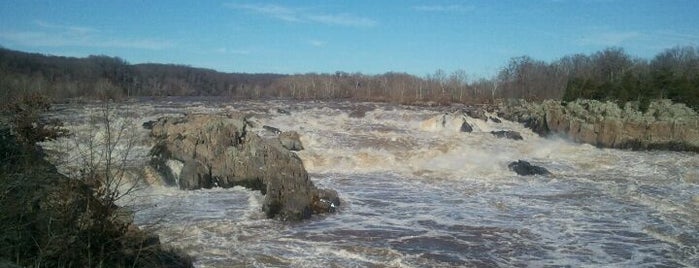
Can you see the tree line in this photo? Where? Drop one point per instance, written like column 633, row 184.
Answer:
column 610, row 74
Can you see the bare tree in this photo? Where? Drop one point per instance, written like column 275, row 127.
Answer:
column 100, row 152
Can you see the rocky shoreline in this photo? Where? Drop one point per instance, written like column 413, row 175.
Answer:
column 49, row 220
column 663, row 126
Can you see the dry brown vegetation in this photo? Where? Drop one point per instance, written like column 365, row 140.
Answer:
column 610, row 74
column 49, row 220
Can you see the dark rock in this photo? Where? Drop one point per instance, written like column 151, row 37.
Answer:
column 507, row 134
column 325, row 201
column 524, row 168
column 357, row 114
column 290, row 140
column 465, row 127
column 495, row 120
column 282, row 111
column 537, row 125
column 360, row 112
column 272, row 129
column 148, row 125
column 217, row 151
column 476, row 113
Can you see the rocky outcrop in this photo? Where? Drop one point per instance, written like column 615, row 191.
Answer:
column 476, row 113
column 507, row 134
column 291, row 140
column 663, row 125
column 524, row 168
column 217, row 151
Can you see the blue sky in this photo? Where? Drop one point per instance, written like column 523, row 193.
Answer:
column 416, row 37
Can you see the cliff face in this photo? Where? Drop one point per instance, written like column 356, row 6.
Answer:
column 663, row 126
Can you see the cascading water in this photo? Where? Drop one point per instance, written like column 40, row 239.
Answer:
column 418, row 192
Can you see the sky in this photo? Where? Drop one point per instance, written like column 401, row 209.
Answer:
column 368, row 36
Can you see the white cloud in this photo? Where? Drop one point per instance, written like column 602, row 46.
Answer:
column 444, row 8
column 290, row 14
column 55, row 35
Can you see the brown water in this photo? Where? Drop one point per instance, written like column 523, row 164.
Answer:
column 417, row 192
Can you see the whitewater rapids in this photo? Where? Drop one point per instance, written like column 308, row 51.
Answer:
column 418, row 192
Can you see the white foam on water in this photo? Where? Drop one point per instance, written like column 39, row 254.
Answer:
column 414, row 188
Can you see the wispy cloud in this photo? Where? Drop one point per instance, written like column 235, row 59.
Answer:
column 291, row 14
column 661, row 39
column 343, row 20
column 78, row 30
column 609, row 38
column 677, row 38
column 444, row 8
column 55, row 35
column 224, row 50
column 317, row 43
column 270, row 10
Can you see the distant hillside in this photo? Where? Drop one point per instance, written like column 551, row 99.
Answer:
column 607, row 75
column 112, row 77
column 104, row 76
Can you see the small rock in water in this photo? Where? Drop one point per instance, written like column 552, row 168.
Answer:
column 282, row 111
column 360, row 112
column 325, row 201
column 272, row 129
column 357, row 113
column 148, row 124
column 524, row 168
column 508, row 134
column 465, row 127
column 495, row 120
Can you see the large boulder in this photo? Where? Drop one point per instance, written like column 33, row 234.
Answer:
column 217, row 151
column 524, row 168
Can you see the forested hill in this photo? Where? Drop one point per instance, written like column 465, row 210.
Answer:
column 610, row 74
column 104, row 76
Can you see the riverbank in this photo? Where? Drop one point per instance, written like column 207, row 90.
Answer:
column 663, row 126
column 49, row 220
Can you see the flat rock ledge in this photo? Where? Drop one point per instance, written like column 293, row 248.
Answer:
column 664, row 125
column 204, row 151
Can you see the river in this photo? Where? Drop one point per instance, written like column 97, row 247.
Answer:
column 417, row 192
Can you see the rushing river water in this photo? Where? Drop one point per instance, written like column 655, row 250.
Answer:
column 417, row 192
